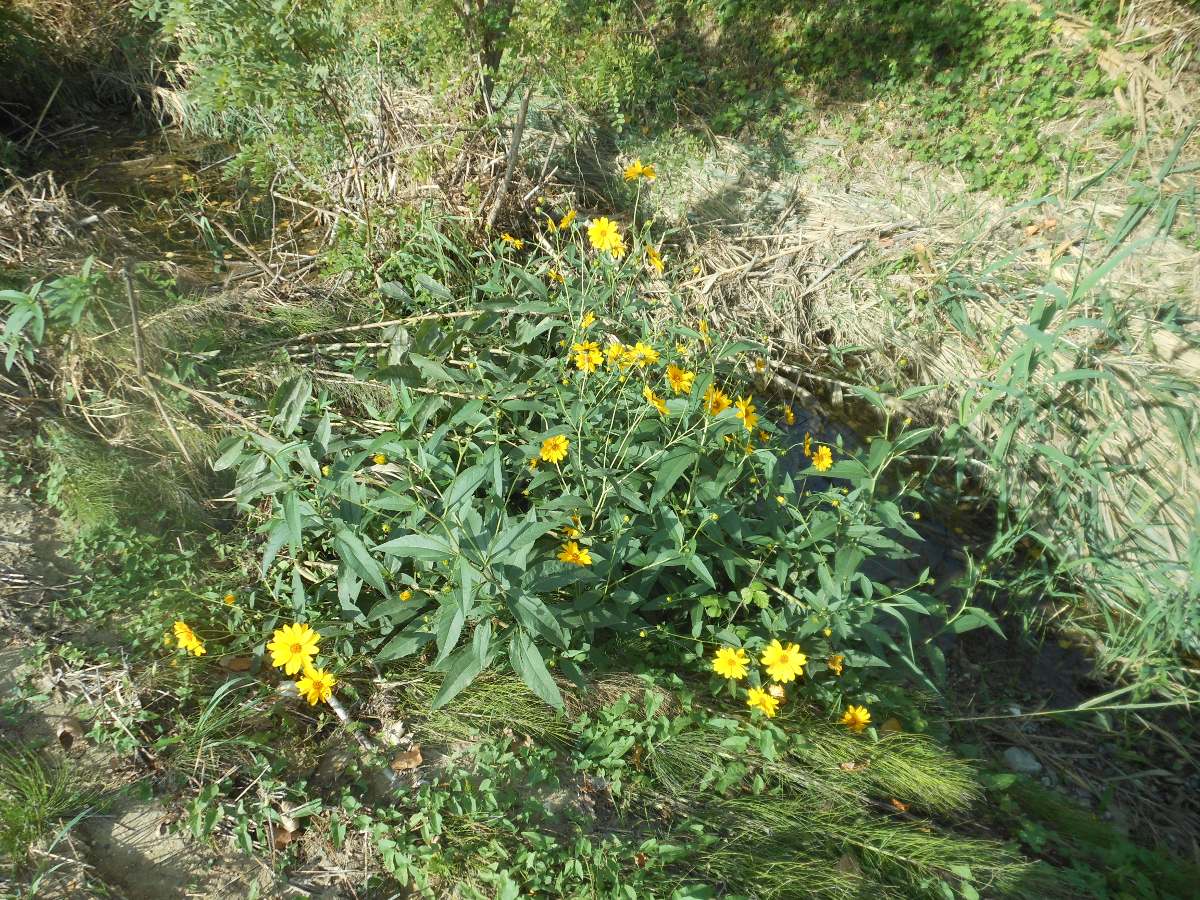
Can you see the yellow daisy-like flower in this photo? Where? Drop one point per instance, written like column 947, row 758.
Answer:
column 572, row 553
column 715, row 401
column 405, row 595
column 822, row 459
column 379, row 459
column 781, row 500
column 325, row 470
column 566, row 220
column 550, row 226
column 757, row 698
column 807, row 444
column 836, row 662
column 588, row 320
column 187, row 640
column 554, row 449
column 316, row 686
column 763, row 436
column 229, row 599
column 679, row 379
column 515, row 243
column 636, row 170
column 856, row 718
column 640, row 355
column 731, row 662
column 682, row 349
column 293, row 647
column 614, row 353
column 606, row 237
column 783, row 663
column 789, row 416
column 654, row 400
column 745, row 412
column 555, row 276
column 533, row 464
column 704, row 336
column 654, row 260
column 572, row 533
column 587, row 356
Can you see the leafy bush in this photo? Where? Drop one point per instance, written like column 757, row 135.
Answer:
column 561, row 459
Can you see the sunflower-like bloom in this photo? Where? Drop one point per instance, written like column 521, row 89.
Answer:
column 614, row 353
column 640, row 355
column 515, row 243
column 745, row 412
column 789, row 416
column 731, row 662
column 636, row 170
column 654, row 260
column 316, row 686
column 783, row 662
column 588, row 320
column 679, row 379
column 587, row 356
column 572, row 553
column 293, row 647
column 715, row 401
column 757, row 698
column 822, row 459
column 836, row 663
column 856, row 718
column 566, row 220
column 654, row 400
column 187, row 640
column 606, row 237
column 554, row 449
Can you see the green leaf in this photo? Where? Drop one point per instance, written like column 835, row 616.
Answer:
column 534, row 615
column 404, row 644
column 291, row 399
column 291, row 515
column 674, row 464
column 464, row 666
column 528, row 663
column 354, row 554
column 417, row 546
column 463, row 488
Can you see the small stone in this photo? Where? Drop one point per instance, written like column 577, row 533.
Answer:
column 1022, row 761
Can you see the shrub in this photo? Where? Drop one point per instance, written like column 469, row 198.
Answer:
column 564, row 457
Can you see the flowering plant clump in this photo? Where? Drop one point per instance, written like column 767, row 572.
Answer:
column 567, row 459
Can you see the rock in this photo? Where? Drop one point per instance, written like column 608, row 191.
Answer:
column 1022, row 761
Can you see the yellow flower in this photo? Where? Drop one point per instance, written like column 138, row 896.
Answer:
column 780, row 499
column 828, row 632
column 533, row 464
column 587, row 356
column 749, row 448
column 756, row 698
column 316, row 686
column 229, row 599
column 293, row 647
column 654, row 400
column 715, row 401
column 731, row 662
column 654, row 260
column 550, row 226
column 588, row 320
column 614, row 353
column 703, row 329
column 554, row 449
column 822, row 459
column 605, row 237
column 572, row 533
column 856, row 718
column 760, row 365
column 783, row 663
column 187, row 640
column 679, row 380
column 745, row 412
column 555, row 276
column 636, row 170
column 789, row 416
column 763, row 436
column 835, row 663
column 640, row 355
column 325, row 470
column 385, row 528
column 566, row 220
column 572, row 553
column 379, row 459
column 405, row 595
column 682, row 349
column 515, row 243
column 807, row 444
